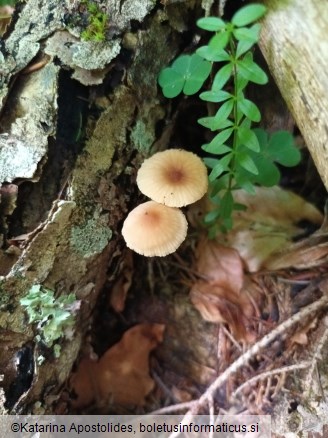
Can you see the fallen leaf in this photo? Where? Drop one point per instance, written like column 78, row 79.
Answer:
column 121, row 376
column 269, row 224
column 220, row 297
column 84, row 383
column 123, row 371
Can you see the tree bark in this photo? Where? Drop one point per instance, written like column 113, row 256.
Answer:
column 294, row 43
column 76, row 240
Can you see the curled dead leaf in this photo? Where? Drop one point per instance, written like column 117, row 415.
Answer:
column 269, row 224
column 220, row 298
column 121, row 376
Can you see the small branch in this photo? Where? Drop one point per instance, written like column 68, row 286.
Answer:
column 316, row 357
column 174, row 408
column 261, row 376
column 249, row 354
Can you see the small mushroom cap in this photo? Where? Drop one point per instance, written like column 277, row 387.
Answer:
column 173, row 177
column 153, row 229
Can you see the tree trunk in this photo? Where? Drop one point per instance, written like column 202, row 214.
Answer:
column 294, row 44
column 71, row 215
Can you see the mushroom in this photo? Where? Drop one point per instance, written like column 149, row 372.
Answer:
column 174, row 177
column 153, row 229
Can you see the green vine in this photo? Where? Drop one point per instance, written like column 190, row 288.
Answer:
column 240, row 157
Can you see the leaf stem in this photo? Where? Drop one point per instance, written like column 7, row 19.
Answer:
column 235, row 112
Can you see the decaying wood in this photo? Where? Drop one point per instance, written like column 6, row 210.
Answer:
column 295, row 46
column 79, row 240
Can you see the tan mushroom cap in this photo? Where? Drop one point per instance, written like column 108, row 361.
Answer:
column 174, row 177
column 153, row 229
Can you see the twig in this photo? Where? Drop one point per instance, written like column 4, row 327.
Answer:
column 163, row 387
column 316, row 357
column 249, row 354
column 174, row 408
column 261, row 376
column 232, row 339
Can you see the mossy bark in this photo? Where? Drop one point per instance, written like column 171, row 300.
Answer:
column 78, row 239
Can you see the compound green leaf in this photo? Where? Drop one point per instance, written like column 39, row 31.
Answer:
column 241, row 83
column 243, row 47
column 215, row 96
column 219, row 41
column 246, row 162
column 212, row 54
column 171, row 82
column 247, row 185
column 187, row 73
column 249, row 109
column 181, row 64
column 196, row 74
column 221, row 137
column 217, row 150
column 224, row 111
column 222, row 77
column 226, row 205
column 221, row 167
column 248, row 14
column 217, row 186
column 213, row 125
column 269, row 174
column 262, row 137
column 249, row 70
column 211, row 216
column 210, row 162
column 282, row 149
column 212, row 24
column 249, row 34
column 248, row 138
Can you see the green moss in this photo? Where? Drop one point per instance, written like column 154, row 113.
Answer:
column 92, row 21
column 92, row 237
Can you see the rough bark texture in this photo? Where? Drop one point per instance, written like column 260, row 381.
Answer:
column 76, row 239
column 294, row 44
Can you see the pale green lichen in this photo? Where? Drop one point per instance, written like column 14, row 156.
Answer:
column 92, row 237
column 53, row 316
column 141, row 137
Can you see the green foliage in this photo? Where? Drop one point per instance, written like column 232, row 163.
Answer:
column 53, row 316
column 240, row 156
column 97, row 22
column 187, row 74
column 7, row 2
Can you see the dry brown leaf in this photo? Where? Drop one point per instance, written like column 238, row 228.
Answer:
column 121, row 376
column 220, row 298
column 306, row 254
column 123, row 371
column 83, row 383
column 301, row 336
column 269, row 224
